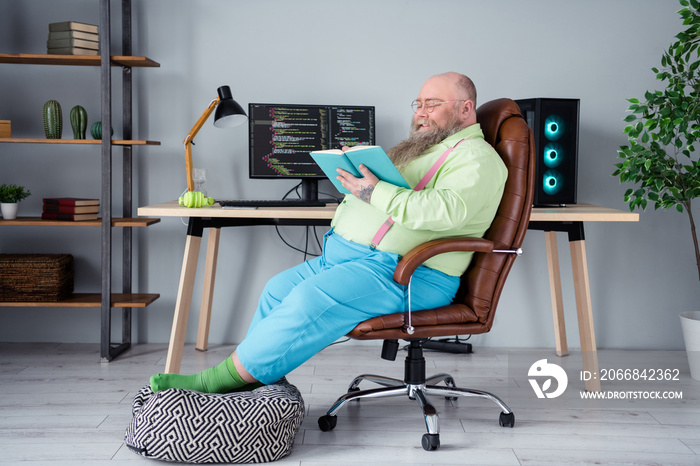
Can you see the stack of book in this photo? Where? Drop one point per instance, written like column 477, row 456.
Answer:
column 70, row 208
column 73, row 38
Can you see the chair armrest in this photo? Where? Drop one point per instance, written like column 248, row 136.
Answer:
column 416, row 256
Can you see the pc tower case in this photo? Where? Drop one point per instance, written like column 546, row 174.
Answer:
column 554, row 123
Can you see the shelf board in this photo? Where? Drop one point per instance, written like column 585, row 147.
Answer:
column 75, row 60
column 91, row 300
column 116, row 222
column 118, row 142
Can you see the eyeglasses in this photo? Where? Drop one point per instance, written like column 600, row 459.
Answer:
column 429, row 105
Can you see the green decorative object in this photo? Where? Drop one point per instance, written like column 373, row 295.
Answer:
column 53, row 120
column 195, row 199
column 78, row 121
column 96, row 130
column 664, row 128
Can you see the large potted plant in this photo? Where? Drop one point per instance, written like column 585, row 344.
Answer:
column 661, row 157
column 10, row 195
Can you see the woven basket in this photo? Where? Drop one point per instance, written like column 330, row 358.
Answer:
column 35, row 277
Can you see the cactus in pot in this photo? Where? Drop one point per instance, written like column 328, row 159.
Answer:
column 96, row 130
column 53, row 120
column 78, row 121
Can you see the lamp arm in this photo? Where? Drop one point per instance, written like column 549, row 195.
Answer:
column 190, row 137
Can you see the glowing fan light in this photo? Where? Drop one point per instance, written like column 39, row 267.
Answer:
column 553, row 154
column 553, row 127
column 552, row 182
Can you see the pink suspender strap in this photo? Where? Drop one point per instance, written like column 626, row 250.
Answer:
column 389, row 222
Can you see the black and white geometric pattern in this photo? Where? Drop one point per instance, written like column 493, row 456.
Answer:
column 191, row 427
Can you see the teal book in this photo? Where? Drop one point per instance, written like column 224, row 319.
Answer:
column 373, row 157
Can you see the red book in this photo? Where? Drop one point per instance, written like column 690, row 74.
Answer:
column 71, row 209
column 74, row 201
column 71, row 217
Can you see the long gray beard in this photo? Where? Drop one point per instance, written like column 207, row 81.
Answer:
column 418, row 142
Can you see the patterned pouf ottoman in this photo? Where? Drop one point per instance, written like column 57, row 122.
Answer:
column 191, row 427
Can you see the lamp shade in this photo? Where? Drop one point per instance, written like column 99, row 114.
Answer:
column 228, row 113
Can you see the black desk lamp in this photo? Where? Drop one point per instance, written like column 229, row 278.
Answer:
column 228, row 114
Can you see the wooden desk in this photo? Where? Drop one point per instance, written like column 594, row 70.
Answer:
column 551, row 220
column 570, row 219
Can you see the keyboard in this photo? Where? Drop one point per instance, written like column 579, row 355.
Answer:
column 252, row 203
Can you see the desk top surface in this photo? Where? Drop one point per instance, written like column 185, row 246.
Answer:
column 572, row 213
column 172, row 209
column 582, row 212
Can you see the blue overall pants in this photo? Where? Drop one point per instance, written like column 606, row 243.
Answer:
column 304, row 309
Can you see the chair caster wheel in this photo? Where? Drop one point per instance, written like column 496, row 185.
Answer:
column 327, row 422
column 506, row 420
column 431, row 442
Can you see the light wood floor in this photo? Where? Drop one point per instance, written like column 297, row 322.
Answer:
column 60, row 406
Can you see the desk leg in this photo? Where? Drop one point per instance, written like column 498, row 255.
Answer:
column 562, row 347
column 208, row 289
column 182, row 305
column 584, row 311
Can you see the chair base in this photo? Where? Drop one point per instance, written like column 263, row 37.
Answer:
column 417, row 390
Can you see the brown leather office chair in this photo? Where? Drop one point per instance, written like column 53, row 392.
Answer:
column 474, row 307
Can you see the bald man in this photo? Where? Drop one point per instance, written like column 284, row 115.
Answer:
column 457, row 181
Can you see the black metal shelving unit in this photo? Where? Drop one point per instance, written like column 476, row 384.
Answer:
column 106, row 300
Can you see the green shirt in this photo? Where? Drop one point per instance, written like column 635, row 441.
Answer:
column 461, row 200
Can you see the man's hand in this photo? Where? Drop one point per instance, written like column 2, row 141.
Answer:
column 362, row 188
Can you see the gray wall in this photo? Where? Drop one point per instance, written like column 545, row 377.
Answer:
column 364, row 52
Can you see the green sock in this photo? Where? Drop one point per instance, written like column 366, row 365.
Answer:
column 218, row 379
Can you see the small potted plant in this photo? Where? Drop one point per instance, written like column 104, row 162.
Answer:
column 10, row 195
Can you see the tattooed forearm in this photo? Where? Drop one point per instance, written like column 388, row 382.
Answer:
column 365, row 193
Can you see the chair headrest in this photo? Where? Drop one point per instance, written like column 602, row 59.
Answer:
column 491, row 114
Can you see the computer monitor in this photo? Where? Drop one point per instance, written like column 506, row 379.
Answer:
column 282, row 135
